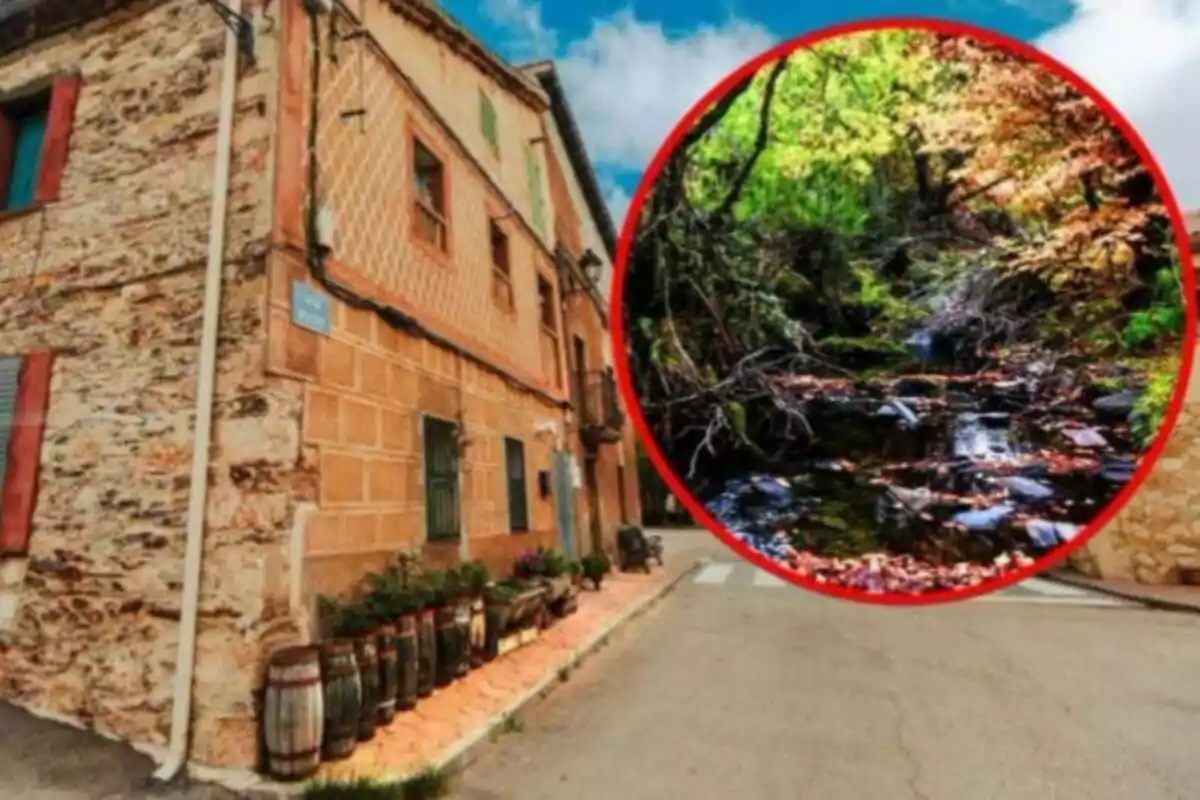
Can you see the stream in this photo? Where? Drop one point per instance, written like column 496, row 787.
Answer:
column 935, row 481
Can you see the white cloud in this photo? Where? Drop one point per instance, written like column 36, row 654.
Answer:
column 1144, row 56
column 617, row 200
column 531, row 39
column 630, row 81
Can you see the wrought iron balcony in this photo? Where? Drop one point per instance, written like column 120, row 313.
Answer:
column 601, row 417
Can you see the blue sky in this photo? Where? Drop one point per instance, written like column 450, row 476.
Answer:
column 631, row 69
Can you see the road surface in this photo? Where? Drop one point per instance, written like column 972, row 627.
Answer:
column 738, row 686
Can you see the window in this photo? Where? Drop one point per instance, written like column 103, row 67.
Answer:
column 546, row 304
column 487, row 119
column 430, row 207
column 518, row 504
column 441, row 480
column 34, row 134
column 501, row 272
column 534, row 170
column 24, row 397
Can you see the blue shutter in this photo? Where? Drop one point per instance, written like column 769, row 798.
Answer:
column 10, row 374
column 27, row 156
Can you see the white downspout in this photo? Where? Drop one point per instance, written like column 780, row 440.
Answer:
column 185, row 662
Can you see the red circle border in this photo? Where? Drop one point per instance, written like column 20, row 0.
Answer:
column 621, row 358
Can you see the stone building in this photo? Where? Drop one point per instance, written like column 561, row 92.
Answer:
column 219, row 400
column 1155, row 537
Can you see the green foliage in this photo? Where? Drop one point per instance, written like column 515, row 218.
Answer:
column 1153, row 403
column 842, row 109
column 345, row 620
column 428, row 784
column 595, row 567
column 1164, row 319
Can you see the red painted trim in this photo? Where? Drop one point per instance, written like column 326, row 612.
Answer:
column 25, row 453
column 629, row 230
column 59, row 122
column 290, row 157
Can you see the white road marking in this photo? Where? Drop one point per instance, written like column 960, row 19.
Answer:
column 766, row 580
column 1052, row 589
column 1037, row 591
column 714, row 574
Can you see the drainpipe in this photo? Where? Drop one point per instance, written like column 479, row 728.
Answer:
column 185, row 662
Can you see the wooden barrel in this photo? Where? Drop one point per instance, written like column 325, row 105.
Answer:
column 293, row 714
column 496, row 618
column 407, row 662
column 462, row 627
column 447, row 646
column 368, row 674
column 478, row 632
column 388, row 678
column 427, row 652
column 343, row 700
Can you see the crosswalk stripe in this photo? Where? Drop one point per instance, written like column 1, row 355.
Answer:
column 714, row 574
column 1038, row 591
column 766, row 580
column 1043, row 586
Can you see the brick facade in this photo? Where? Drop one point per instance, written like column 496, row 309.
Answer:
column 317, row 470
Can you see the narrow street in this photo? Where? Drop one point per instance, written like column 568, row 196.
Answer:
column 738, row 686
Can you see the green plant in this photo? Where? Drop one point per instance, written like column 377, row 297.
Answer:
column 574, row 568
column 433, row 588
column 425, row 785
column 476, row 577
column 595, row 567
column 345, row 620
column 1152, row 404
column 555, row 564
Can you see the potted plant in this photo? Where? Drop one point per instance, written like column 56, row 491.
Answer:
column 459, row 597
column 381, row 601
column 441, row 589
column 498, row 604
column 342, row 687
column 477, row 578
column 530, row 565
column 575, row 570
column 423, row 590
column 557, row 580
column 595, row 567
column 352, row 622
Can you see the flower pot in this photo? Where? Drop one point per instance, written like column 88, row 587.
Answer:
column 342, row 700
column 478, row 632
column 426, row 652
column 447, row 646
column 407, row 662
column 367, row 656
column 462, row 626
column 496, row 622
column 389, row 677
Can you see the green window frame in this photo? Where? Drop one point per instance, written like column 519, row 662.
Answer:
column 29, row 136
column 487, row 121
column 10, row 378
column 518, row 486
column 534, row 170
column 443, row 517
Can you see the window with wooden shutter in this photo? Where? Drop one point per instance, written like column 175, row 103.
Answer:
column 441, row 480
column 35, row 134
column 487, row 120
column 24, row 399
column 534, row 170
column 518, row 493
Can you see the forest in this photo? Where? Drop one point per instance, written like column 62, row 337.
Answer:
column 905, row 310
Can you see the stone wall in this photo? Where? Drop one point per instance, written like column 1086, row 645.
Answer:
column 111, row 277
column 1158, row 530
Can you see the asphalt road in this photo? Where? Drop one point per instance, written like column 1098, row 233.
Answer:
column 737, row 688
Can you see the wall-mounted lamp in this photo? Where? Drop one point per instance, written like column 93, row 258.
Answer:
column 591, row 264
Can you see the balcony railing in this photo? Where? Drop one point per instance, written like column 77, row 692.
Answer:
column 601, row 417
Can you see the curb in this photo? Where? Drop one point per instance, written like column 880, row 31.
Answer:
column 464, row 753
column 1156, row 603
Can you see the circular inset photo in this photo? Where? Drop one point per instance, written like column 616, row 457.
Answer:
column 906, row 311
